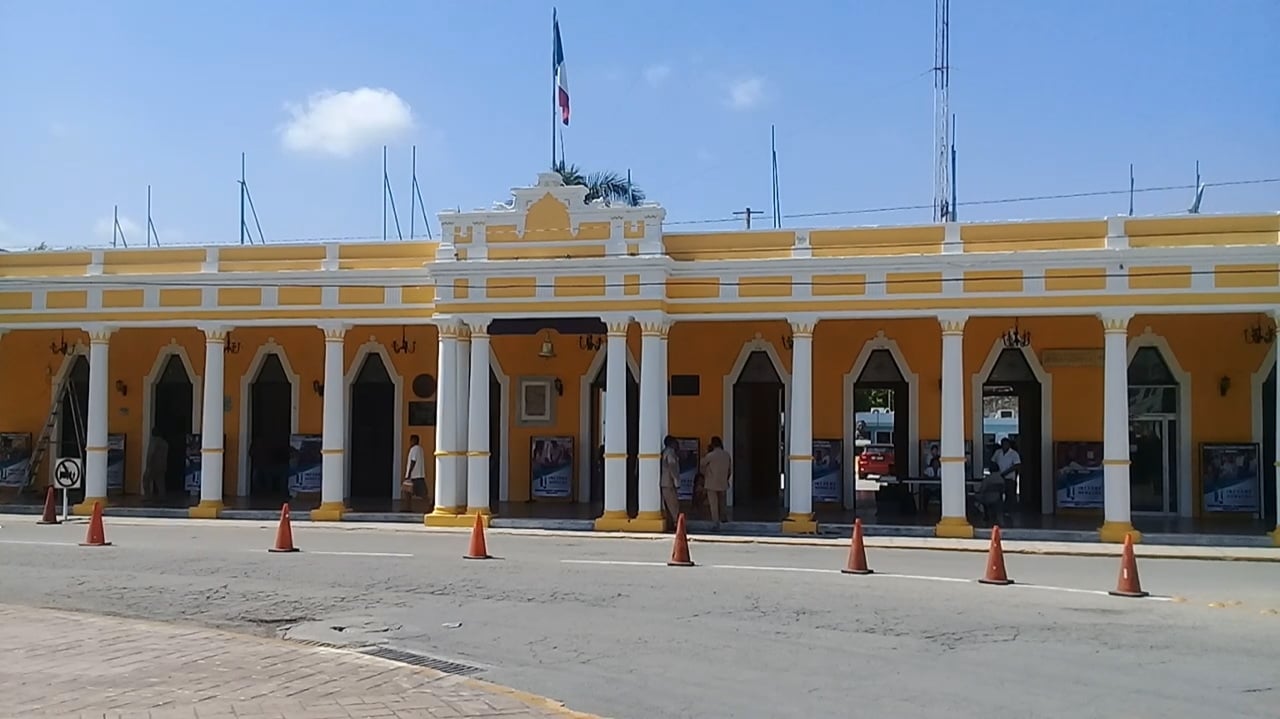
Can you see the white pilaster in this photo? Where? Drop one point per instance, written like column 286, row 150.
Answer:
column 1117, row 520
column 478, row 417
column 955, row 517
column 615, row 424
column 664, row 374
column 333, row 440
column 448, row 496
column 800, row 418
column 653, row 398
column 462, row 402
column 95, row 451
column 211, row 430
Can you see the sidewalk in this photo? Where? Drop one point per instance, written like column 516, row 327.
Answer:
column 64, row 664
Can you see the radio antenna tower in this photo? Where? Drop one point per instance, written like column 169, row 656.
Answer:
column 943, row 159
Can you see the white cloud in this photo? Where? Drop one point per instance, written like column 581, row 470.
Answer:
column 655, row 75
column 746, row 93
column 343, row 123
column 104, row 229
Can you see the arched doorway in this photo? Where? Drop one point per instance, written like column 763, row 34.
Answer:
column 1154, row 433
column 1269, row 500
column 373, row 430
column 270, row 427
column 495, row 440
column 1012, row 408
column 882, row 406
column 73, row 417
column 172, row 406
column 759, row 401
column 599, row 391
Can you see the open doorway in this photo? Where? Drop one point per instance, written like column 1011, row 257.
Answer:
column 73, row 416
column 1269, row 501
column 172, row 405
column 882, row 417
column 495, row 440
column 599, row 393
column 1011, row 409
column 759, row 401
column 270, row 427
column 1153, row 433
column 373, row 430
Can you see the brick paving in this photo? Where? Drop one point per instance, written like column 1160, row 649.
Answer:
column 65, row 664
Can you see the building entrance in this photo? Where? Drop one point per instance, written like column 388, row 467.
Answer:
column 881, row 406
column 1011, row 404
column 599, row 393
column 759, row 397
column 270, row 427
column 1269, row 447
column 73, row 416
column 171, row 410
column 1153, row 433
column 373, row 429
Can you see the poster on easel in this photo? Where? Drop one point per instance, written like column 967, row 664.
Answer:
column 1077, row 475
column 15, row 458
column 688, row 456
column 115, row 463
column 191, row 465
column 304, row 464
column 1230, row 478
column 551, row 467
column 828, row 471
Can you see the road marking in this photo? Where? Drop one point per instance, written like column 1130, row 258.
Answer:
column 361, row 554
column 814, row 570
column 42, row 544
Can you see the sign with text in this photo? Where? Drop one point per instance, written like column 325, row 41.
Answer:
column 1230, row 477
column 1077, row 475
column 828, row 470
column 304, row 464
column 551, row 467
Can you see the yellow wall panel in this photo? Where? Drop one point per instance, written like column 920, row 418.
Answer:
column 631, row 284
column 239, row 296
column 839, row 285
column 293, row 296
column 1176, row 277
column 417, row 295
column 1239, row 276
column 913, row 283
column 511, row 287
column 171, row 297
column 121, row 298
column 579, row 286
column 689, row 288
column 66, row 299
column 1075, row 279
column 15, row 300
column 771, row 286
column 877, row 241
column 993, row 281
column 361, row 295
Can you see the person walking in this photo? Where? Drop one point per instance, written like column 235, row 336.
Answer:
column 415, row 473
column 717, row 469
column 669, row 481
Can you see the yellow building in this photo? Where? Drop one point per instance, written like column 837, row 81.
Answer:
column 303, row 369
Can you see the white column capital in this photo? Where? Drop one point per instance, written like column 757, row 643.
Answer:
column 1115, row 321
column 215, row 334
column 334, row 331
column 803, row 326
column 953, row 322
column 477, row 326
column 448, row 329
column 617, row 325
column 654, row 327
column 99, row 334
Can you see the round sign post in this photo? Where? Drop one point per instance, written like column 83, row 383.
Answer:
column 67, row 474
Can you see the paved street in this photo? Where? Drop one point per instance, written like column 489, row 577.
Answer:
column 753, row 631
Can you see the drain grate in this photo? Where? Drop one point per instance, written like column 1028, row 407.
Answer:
column 315, row 643
column 421, row 660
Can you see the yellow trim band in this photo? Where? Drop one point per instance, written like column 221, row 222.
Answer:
column 211, row 450
column 951, row 460
column 615, row 455
column 1115, row 463
column 330, row 452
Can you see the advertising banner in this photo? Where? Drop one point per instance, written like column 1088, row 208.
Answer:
column 828, row 470
column 304, row 464
column 688, row 453
column 551, row 467
column 15, row 458
column 115, row 462
column 1230, row 478
column 191, row 467
column 1077, row 475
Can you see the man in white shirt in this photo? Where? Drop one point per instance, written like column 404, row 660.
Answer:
column 415, row 473
column 1009, row 465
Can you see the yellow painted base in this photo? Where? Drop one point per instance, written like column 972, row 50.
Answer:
column 613, row 520
column 451, row 517
column 85, row 508
column 207, row 509
column 648, row 522
column 799, row 524
column 329, row 512
column 953, row 528
column 1275, row 536
column 1115, row 531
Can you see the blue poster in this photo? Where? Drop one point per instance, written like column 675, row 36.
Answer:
column 304, row 464
column 687, row 453
column 828, row 470
column 191, row 467
column 551, row 467
column 15, row 458
column 115, row 462
column 1077, row 473
column 1229, row 477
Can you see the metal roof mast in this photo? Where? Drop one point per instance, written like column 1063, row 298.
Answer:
column 944, row 206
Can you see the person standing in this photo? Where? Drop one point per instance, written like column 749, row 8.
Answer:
column 153, row 474
column 415, row 472
column 717, row 470
column 1009, row 465
column 669, row 481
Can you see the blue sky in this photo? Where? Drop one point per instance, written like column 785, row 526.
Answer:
column 103, row 98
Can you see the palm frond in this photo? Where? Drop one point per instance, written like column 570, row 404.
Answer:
column 611, row 187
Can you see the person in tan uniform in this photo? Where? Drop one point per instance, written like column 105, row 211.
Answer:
column 669, row 480
column 717, row 470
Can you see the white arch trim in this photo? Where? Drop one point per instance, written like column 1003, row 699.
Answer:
column 585, row 453
column 1256, row 382
column 504, row 466
column 55, row 403
column 1047, row 490
column 267, row 348
column 373, row 346
column 848, row 420
column 1151, row 339
column 149, row 390
column 756, row 344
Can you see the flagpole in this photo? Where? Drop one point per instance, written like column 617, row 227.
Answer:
column 554, row 88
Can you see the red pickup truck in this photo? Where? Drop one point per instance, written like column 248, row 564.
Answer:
column 876, row 461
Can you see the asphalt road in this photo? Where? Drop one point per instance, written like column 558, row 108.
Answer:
column 753, row 631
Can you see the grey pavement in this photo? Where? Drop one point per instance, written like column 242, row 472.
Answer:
column 756, row 630
column 64, row 664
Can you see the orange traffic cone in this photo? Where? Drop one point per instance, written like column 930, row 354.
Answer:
column 96, row 536
column 1128, row 586
column 478, row 549
column 680, row 550
column 857, row 563
column 50, row 515
column 995, row 562
column 284, row 533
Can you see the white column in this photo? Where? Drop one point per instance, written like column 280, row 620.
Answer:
column 95, row 450
column 1115, row 429
column 800, row 419
column 462, row 402
column 955, row 516
column 333, row 441
column 448, row 498
column 478, row 418
column 211, row 449
column 653, row 397
column 664, row 374
column 615, row 423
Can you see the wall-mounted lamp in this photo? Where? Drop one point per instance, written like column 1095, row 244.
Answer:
column 590, row 343
column 318, row 387
column 1014, row 338
column 403, row 345
column 230, row 346
column 789, row 342
column 60, row 347
column 547, row 351
column 1224, row 385
column 122, row 388
column 1260, row 334
column 559, row 387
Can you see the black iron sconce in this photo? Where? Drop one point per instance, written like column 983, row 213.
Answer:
column 789, row 342
column 403, row 345
column 60, row 347
column 318, row 387
column 122, row 388
column 1224, row 385
column 231, row 346
column 1259, row 334
column 559, row 387
column 590, row 343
